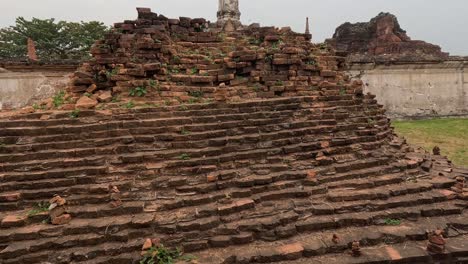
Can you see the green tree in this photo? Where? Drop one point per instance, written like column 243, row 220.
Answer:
column 60, row 40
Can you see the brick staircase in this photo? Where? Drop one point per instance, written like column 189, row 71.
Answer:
column 259, row 181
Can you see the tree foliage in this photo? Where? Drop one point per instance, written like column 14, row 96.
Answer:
column 54, row 40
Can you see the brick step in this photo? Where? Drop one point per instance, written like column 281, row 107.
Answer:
column 358, row 165
column 374, row 167
column 212, row 136
column 415, row 253
column 65, row 131
column 371, row 181
column 100, row 139
column 78, row 226
column 173, row 133
column 108, row 252
column 154, row 122
column 17, row 249
column 65, row 154
column 324, row 207
column 20, row 218
column 32, row 166
column 290, row 140
column 60, row 119
column 319, row 243
column 307, row 150
column 29, row 193
column 271, row 188
column 377, row 193
column 309, row 250
column 123, row 258
column 275, row 103
column 71, row 173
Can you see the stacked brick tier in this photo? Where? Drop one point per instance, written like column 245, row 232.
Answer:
column 221, row 178
column 267, row 180
column 175, row 59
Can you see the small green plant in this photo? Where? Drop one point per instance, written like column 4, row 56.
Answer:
column 128, row 105
column 115, row 99
column 184, row 131
column 208, row 59
column 111, row 73
column 268, row 58
column 208, row 100
column 184, row 156
column 323, row 46
column 392, row 222
column 193, row 71
column 256, row 87
column 188, row 258
column 58, row 99
column 222, row 37
column 74, row 114
column 39, row 208
column 176, row 59
column 371, row 121
column 193, row 100
column 36, row 106
column 183, row 107
column 87, row 94
column 342, row 91
column 196, row 94
column 174, row 71
column 279, row 83
column 255, row 41
column 138, row 91
column 153, row 83
column 161, row 255
column 167, row 102
column 311, row 62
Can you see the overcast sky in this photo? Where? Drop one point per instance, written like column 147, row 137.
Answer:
column 441, row 22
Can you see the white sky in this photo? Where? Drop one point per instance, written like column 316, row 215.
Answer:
column 444, row 23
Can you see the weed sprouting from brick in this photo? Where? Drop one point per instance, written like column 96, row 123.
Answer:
column 342, row 91
column 128, row 105
column 184, row 156
column 74, row 114
column 138, row 91
column 161, row 255
column 392, row 222
column 184, row 131
column 39, row 208
column 58, row 99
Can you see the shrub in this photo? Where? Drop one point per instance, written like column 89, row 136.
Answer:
column 138, row 91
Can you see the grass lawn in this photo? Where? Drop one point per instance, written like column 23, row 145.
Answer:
column 451, row 135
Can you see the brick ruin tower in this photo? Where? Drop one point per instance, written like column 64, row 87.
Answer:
column 242, row 146
column 229, row 10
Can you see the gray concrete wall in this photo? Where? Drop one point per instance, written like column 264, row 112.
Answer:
column 21, row 88
column 417, row 90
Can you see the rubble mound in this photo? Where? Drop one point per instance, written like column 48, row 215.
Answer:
column 265, row 152
column 382, row 39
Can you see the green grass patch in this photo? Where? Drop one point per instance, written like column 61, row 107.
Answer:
column 74, row 114
column 392, row 222
column 451, row 135
column 184, row 156
column 161, row 255
column 59, row 99
column 39, row 208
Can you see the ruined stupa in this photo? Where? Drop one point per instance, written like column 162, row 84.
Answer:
column 246, row 146
column 228, row 12
column 382, row 39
